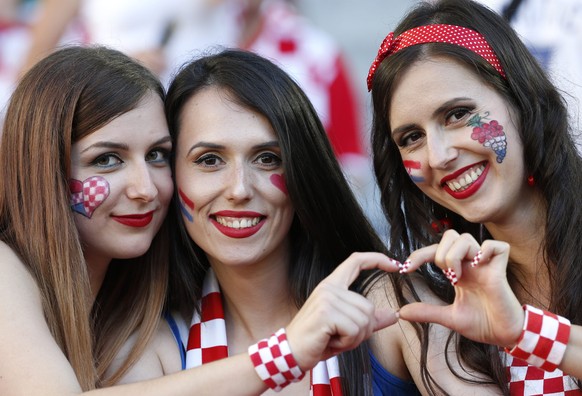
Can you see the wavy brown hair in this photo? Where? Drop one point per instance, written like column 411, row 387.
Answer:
column 66, row 96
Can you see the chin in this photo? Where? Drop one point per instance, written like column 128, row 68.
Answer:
column 134, row 250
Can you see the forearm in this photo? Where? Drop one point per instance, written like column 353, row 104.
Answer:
column 572, row 360
column 235, row 375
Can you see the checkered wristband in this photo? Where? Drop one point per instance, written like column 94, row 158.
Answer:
column 543, row 340
column 274, row 361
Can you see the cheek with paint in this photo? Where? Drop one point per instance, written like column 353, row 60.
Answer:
column 414, row 170
column 279, row 182
column 186, row 206
column 489, row 134
column 88, row 195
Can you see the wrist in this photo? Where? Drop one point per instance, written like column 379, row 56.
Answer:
column 274, row 361
column 543, row 340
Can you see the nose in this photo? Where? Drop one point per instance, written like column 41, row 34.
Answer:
column 239, row 183
column 141, row 184
column 441, row 149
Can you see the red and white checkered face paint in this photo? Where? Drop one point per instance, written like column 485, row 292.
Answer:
column 437, row 33
column 88, row 195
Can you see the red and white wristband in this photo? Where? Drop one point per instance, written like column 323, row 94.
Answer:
column 274, row 361
column 543, row 340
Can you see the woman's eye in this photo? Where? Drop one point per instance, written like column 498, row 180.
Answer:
column 208, row 160
column 158, row 156
column 409, row 139
column 269, row 159
column 107, row 161
column 456, row 115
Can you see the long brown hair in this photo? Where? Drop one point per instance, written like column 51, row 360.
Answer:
column 70, row 94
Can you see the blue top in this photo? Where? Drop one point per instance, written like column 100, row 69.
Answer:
column 176, row 332
column 386, row 384
column 383, row 383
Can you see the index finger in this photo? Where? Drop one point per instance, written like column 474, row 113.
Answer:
column 347, row 272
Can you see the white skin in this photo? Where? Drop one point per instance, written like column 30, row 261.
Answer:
column 332, row 320
column 431, row 105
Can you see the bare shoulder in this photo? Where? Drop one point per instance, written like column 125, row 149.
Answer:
column 25, row 338
column 16, row 281
column 161, row 356
column 389, row 344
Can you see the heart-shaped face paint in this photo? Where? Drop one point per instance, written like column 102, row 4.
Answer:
column 279, row 182
column 88, row 195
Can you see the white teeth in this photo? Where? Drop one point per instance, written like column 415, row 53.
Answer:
column 466, row 180
column 239, row 222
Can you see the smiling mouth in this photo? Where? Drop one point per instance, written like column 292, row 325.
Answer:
column 466, row 179
column 237, row 223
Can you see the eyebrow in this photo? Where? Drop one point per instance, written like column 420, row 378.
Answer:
column 123, row 146
column 109, row 145
column 214, row 146
column 442, row 108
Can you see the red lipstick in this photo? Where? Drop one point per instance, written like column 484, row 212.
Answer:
column 237, row 232
column 472, row 189
column 135, row 220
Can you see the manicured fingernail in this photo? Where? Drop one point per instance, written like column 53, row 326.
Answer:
column 395, row 262
column 451, row 275
column 404, row 266
column 476, row 259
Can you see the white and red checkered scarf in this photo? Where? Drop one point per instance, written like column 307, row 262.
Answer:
column 525, row 379
column 207, row 341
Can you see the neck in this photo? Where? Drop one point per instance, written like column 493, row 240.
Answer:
column 523, row 227
column 525, row 233
column 257, row 302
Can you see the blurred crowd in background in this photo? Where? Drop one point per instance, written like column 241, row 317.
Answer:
column 326, row 45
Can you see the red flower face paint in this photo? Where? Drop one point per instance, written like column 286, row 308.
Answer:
column 413, row 168
column 186, row 206
column 279, row 182
column 88, row 195
column 489, row 134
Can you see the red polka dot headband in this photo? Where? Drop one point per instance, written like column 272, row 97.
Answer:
column 437, row 33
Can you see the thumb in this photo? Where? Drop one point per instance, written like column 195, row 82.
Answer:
column 421, row 312
column 384, row 318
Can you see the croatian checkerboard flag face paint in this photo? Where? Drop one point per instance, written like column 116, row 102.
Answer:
column 414, row 170
column 186, row 206
column 88, row 195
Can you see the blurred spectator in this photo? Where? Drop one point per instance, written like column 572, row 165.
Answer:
column 159, row 33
